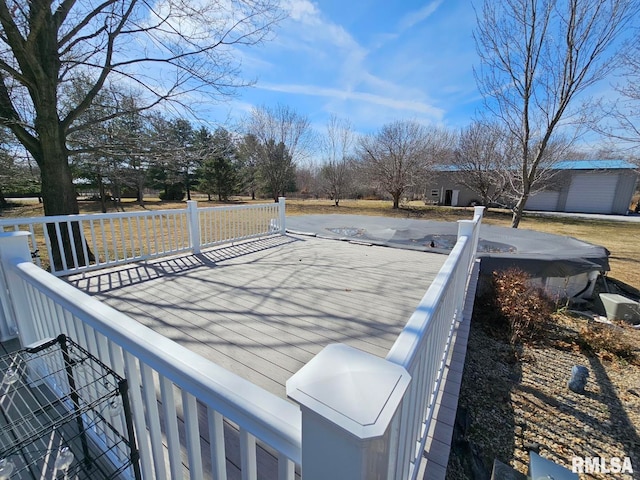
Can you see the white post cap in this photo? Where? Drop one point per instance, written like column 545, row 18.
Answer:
column 355, row 390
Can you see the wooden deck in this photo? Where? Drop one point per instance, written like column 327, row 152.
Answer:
column 264, row 308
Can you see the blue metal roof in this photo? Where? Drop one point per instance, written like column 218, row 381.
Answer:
column 594, row 165
column 567, row 165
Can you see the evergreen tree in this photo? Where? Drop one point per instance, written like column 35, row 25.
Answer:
column 248, row 157
column 219, row 171
column 276, row 169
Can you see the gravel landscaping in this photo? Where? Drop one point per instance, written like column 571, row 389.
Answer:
column 515, row 400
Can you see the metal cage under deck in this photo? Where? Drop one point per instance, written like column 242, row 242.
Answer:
column 64, row 414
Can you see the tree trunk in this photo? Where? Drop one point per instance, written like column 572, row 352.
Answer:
column 187, row 186
column 139, row 195
column 58, row 191
column 116, row 196
column 3, row 201
column 518, row 211
column 396, row 201
column 59, row 198
column 102, row 193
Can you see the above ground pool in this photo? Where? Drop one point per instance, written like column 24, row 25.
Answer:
column 565, row 266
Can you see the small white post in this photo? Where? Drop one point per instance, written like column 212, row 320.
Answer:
column 194, row 225
column 478, row 212
column 349, row 399
column 14, row 248
column 283, row 228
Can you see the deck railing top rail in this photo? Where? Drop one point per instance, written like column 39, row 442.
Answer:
column 10, row 222
column 67, row 244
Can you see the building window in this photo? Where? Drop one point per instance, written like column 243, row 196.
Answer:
column 435, row 193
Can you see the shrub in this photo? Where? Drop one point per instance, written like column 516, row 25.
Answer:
column 513, row 307
column 599, row 338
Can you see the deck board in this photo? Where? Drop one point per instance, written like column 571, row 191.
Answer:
column 264, row 308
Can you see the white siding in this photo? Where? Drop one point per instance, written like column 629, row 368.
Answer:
column 592, row 192
column 546, row 201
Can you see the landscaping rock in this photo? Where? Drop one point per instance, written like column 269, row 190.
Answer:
column 578, row 380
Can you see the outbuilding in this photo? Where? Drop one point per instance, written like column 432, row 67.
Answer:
column 588, row 186
column 578, row 186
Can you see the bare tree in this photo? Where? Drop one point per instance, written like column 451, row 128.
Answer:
column 129, row 133
column 337, row 150
column 544, row 176
column 537, row 57
column 112, row 153
column 308, row 181
column 281, row 124
column 398, row 157
column 481, row 161
column 167, row 48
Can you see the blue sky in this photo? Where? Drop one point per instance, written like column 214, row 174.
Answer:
column 368, row 61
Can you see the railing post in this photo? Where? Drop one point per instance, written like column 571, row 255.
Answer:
column 194, row 225
column 283, row 228
column 478, row 212
column 349, row 400
column 465, row 228
column 14, row 247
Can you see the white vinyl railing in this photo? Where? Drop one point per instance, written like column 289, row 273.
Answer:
column 423, row 345
column 102, row 240
column 197, row 400
column 227, row 224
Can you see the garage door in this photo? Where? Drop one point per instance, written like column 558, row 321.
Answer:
column 592, row 192
column 543, row 201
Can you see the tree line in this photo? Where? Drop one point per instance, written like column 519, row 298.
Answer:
column 275, row 153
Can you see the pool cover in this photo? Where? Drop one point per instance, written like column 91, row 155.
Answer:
column 540, row 254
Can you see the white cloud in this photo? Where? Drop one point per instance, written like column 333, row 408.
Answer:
column 307, row 26
column 417, row 16
column 401, row 105
column 300, row 10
